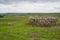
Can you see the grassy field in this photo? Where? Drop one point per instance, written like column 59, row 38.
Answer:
column 15, row 27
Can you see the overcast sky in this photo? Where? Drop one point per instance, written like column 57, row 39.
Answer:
column 17, row 6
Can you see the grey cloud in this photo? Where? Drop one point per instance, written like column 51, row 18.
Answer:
column 16, row 1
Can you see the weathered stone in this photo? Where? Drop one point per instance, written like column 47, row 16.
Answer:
column 43, row 21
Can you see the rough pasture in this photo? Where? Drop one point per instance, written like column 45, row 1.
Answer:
column 15, row 27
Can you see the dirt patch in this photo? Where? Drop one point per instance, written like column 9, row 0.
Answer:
column 34, row 34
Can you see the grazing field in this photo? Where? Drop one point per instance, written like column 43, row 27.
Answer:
column 16, row 27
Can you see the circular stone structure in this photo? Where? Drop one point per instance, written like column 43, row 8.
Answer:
column 43, row 21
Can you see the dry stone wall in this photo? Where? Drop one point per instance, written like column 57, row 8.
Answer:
column 43, row 21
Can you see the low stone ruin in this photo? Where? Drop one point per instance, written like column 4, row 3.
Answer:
column 43, row 21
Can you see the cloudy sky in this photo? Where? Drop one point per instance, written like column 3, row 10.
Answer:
column 18, row 6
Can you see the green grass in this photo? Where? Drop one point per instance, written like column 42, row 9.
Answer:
column 20, row 30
